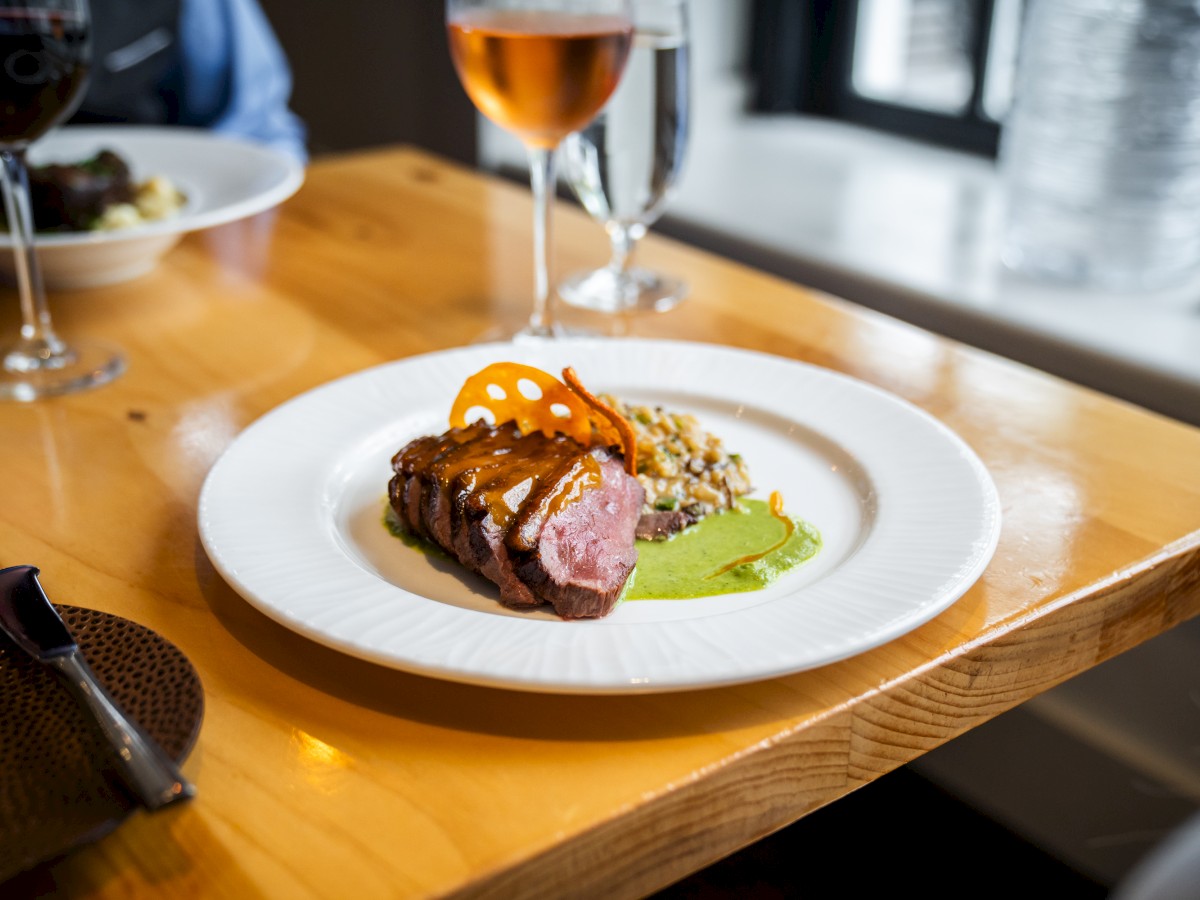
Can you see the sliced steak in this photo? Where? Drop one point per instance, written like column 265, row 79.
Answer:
column 411, row 466
column 584, row 552
column 486, row 542
column 496, row 501
column 440, row 475
column 493, row 498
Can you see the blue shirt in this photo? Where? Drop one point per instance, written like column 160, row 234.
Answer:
column 213, row 64
column 235, row 78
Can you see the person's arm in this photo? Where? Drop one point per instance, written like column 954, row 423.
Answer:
column 235, row 76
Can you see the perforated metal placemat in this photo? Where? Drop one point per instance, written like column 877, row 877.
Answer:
column 57, row 786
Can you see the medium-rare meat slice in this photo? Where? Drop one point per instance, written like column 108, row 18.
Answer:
column 487, row 449
column 496, row 500
column 487, row 494
column 584, row 548
column 478, row 501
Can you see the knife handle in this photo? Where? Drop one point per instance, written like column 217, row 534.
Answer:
column 144, row 767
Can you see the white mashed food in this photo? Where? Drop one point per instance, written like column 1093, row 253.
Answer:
column 156, row 199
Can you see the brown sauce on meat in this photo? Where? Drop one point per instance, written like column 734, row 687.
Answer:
column 497, row 470
column 423, row 451
column 586, row 474
column 580, row 473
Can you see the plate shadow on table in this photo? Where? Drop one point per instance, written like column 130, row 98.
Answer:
column 466, row 707
column 505, row 712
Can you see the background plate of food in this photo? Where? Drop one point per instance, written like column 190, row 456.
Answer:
column 109, row 201
column 294, row 514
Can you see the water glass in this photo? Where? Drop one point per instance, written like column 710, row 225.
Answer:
column 625, row 165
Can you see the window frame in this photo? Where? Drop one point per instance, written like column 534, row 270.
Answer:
column 802, row 58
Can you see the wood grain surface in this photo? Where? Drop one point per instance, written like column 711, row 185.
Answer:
column 323, row 776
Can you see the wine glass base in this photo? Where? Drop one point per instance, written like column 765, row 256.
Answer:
column 24, row 378
column 636, row 290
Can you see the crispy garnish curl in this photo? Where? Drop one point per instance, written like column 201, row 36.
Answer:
column 611, row 424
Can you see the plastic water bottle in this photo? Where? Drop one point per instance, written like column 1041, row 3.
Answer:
column 1100, row 153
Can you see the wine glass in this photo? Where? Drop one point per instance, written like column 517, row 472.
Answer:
column 45, row 56
column 540, row 69
column 624, row 166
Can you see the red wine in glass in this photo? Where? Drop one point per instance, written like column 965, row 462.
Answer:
column 45, row 55
column 46, row 63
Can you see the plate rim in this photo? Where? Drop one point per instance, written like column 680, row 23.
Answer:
column 983, row 544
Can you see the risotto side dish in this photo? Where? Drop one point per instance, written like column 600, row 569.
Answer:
column 681, row 466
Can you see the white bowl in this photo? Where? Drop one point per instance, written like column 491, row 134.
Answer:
column 223, row 180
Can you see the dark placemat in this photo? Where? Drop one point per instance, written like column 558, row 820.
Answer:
column 58, row 788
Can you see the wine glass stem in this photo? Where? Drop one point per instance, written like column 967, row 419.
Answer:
column 39, row 345
column 541, row 177
column 623, row 243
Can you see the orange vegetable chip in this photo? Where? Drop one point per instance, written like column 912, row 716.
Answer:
column 534, row 399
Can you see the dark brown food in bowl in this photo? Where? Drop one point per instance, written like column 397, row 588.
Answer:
column 72, row 197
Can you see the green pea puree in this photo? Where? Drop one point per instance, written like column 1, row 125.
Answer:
column 693, row 563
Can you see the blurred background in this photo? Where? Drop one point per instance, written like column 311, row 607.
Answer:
column 852, row 146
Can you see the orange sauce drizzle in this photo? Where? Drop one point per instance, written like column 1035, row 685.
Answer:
column 788, row 528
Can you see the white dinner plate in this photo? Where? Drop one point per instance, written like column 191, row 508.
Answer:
column 291, row 515
column 223, row 179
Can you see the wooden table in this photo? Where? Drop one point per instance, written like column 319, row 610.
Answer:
column 321, row 775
